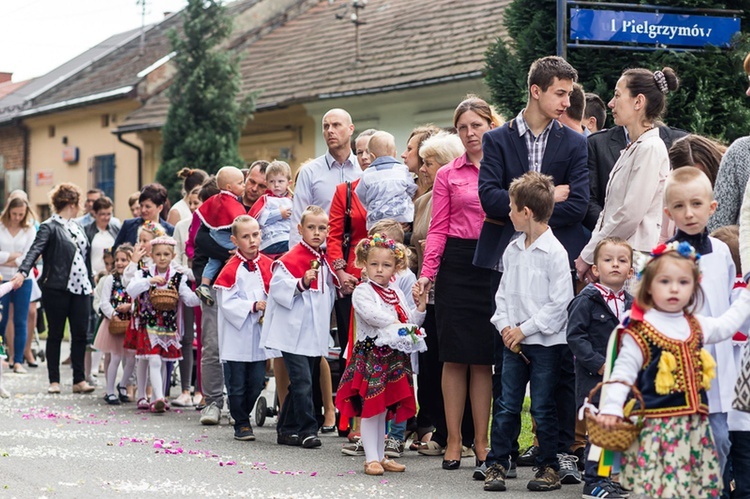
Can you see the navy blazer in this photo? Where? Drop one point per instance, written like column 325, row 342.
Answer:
column 129, row 230
column 505, row 159
column 590, row 324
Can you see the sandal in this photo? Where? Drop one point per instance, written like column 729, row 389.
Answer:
column 143, row 404
column 431, row 448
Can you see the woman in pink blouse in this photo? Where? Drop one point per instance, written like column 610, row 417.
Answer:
column 463, row 304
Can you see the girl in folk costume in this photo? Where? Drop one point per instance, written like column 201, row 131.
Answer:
column 116, row 304
column 377, row 383
column 155, row 333
column 661, row 352
column 297, row 322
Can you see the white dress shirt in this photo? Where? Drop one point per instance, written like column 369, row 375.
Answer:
column 20, row 243
column 535, row 290
column 316, row 185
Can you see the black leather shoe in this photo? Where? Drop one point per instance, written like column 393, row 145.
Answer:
column 327, row 429
column 285, row 439
column 451, row 464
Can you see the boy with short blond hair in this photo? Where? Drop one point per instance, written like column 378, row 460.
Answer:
column 274, row 209
column 297, row 322
column 241, row 294
column 592, row 316
column 531, row 314
column 689, row 202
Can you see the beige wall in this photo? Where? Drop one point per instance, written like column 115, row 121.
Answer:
column 84, row 129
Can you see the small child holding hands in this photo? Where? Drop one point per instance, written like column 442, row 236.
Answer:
column 592, row 316
column 661, row 352
column 241, row 293
column 218, row 213
column 377, row 383
column 273, row 209
column 116, row 303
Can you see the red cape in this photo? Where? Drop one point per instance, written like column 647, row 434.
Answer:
column 228, row 275
column 220, row 210
column 297, row 261
column 261, row 203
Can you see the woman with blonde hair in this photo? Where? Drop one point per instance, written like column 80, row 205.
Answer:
column 17, row 232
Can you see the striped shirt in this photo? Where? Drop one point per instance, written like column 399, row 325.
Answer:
column 534, row 145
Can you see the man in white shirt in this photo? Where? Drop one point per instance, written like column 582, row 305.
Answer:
column 317, row 180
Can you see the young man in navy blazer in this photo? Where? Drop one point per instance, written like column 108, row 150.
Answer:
column 536, row 140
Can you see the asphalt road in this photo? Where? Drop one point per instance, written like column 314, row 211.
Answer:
column 77, row 446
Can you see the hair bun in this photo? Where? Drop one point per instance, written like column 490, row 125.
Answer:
column 185, row 172
column 673, row 83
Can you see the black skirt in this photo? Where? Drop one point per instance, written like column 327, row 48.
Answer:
column 463, row 306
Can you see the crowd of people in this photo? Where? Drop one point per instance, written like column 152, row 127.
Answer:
column 542, row 255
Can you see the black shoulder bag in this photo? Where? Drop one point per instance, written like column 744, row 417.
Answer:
column 346, row 241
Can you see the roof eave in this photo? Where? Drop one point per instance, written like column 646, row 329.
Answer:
column 78, row 101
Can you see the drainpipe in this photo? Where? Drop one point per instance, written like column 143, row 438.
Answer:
column 140, row 157
column 25, row 131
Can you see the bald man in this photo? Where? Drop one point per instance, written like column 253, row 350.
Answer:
column 317, row 180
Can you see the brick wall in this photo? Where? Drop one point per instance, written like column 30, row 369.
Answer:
column 11, row 147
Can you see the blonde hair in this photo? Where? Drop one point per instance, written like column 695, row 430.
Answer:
column 685, row 175
column 366, row 245
column 277, row 167
column 152, row 228
column 242, row 219
column 388, row 226
column 312, row 210
column 615, row 241
column 473, row 103
column 17, row 202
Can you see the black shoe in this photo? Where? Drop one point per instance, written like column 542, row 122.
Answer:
column 528, row 458
column 513, row 471
column 495, row 478
column 123, row 394
column 112, row 399
column 286, row 439
column 244, row 433
column 451, row 464
column 546, row 479
column 579, row 454
column 327, row 429
column 310, row 442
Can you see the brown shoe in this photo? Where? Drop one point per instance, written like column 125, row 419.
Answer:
column 373, row 468
column 391, row 465
column 83, row 387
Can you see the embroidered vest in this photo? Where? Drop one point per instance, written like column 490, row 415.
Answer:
column 687, row 395
column 119, row 296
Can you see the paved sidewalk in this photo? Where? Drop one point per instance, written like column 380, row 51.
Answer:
column 77, row 446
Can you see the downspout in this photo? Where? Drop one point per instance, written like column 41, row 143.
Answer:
column 25, row 131
column 140, row 157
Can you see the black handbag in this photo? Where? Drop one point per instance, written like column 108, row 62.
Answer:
column 346, row 240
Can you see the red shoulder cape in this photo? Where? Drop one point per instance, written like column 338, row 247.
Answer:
column 228, row 275
column 297, row 261
column 220, row 210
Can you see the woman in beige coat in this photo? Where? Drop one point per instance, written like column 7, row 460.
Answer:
column 633, row 200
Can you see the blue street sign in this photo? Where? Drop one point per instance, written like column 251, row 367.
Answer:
column 651, row 28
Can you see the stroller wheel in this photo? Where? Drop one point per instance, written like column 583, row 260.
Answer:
column 41, row 355
column 260, row 411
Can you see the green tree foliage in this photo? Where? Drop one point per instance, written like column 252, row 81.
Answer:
column 711, row 99
column 205, row 116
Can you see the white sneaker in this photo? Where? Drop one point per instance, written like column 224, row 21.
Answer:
column 4, row 394
column 183, row 400
column 211, row 414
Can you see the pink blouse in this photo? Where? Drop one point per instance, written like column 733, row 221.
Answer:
column 456, row 211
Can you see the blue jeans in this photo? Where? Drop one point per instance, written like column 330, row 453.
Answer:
column 397, row 430
column 740, row 458
column 21, row 299
column 543, row 372
column 244, row 381
column 297, row 416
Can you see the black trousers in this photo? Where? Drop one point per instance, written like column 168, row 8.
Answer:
column 61, row 306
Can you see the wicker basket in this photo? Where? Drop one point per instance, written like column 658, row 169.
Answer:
column 164, row 299
column 624, row 432
column 118, row 326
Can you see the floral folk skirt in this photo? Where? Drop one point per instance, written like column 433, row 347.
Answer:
column 376, row 380
column 673, row 457
column 142, row 341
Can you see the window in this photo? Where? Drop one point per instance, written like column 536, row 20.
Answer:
column 105, row 120
column 103, row 174
column 51, row 131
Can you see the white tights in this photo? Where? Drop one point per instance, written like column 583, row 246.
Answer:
column 114, row 365
column 151, row 369
column 372, row 431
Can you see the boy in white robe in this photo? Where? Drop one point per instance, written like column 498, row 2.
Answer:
column 298, row 321
column 241, row 290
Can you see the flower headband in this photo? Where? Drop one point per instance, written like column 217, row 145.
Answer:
column 684, row 249
column 165, row 240
column 153, row 228
column 381, row 241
